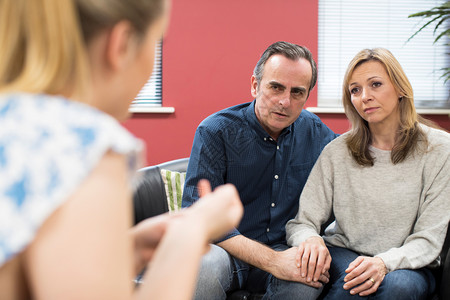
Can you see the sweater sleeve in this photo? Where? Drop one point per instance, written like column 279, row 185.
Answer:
column 425, row 242
column 315, row 203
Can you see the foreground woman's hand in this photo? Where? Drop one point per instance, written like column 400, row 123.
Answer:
column 221, row 210
column 365, row 275
column 147, row 234
column 186, row 237
column 213, row 215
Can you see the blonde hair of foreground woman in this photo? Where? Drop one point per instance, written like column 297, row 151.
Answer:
column 101, row 53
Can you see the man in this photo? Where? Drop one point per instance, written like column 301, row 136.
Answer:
column 266, row 148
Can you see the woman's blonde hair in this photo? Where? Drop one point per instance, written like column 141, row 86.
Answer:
column 409, row 132
column 44, row 41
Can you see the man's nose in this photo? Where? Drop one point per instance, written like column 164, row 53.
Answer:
column 285, row 100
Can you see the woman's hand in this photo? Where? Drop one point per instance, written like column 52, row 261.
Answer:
column 147, row 235
column 365, row 275
column 220, row 210
column 284, row 266
column 313, row 259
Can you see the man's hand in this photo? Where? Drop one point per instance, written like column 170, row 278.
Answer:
column 284, row 267
column 365, row 275
column 313, row 259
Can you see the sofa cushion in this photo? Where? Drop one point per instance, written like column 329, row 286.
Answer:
column 174, row 184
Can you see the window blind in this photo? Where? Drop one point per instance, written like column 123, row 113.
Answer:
column 151, row 93
column 348, row 26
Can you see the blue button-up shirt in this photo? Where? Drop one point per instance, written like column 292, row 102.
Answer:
column 231, row 146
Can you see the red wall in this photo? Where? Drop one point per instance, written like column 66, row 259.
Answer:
column 209, row 53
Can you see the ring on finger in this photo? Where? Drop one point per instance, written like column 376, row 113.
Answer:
column 372, row 280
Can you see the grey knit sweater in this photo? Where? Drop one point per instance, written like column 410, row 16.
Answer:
column 399, row 213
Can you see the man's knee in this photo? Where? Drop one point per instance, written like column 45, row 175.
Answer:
column 214, row 275
column 215, row 263
column 281, row 289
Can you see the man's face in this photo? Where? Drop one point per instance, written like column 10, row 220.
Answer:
column 282, row 92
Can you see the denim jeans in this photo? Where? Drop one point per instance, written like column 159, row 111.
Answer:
column 398, row 284
column 221, row 273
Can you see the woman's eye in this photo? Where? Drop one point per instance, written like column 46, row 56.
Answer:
column 376, row 84
column 353, row 91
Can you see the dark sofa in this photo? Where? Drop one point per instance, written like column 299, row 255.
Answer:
column 150, row 200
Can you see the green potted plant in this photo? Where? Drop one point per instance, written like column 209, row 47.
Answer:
column 439, row 16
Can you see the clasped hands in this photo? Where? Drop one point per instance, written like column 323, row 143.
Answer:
column 364, row 274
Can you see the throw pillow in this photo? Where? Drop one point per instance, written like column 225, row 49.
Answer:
column 174, row 184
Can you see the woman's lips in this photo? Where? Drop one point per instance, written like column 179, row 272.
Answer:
column 370, row 110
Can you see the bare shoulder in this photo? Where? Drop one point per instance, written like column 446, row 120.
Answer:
column 90, row 228
column 13, row 280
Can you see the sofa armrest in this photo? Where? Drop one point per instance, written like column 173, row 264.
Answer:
column 445, row 281
column 444, row 292
column 149, row 198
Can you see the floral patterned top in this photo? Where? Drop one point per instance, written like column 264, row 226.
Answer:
column 48, row 145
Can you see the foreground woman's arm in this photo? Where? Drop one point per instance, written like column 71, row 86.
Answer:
column 84, row 249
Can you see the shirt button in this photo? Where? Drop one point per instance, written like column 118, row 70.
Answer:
column 265, row 139
column 278, row 147
column 268, row 229
column 273, row 204
column 276, row 176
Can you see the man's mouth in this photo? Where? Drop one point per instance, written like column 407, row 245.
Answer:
column 280, row 114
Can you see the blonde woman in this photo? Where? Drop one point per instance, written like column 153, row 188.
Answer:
column 69, row 70
column 387, row 183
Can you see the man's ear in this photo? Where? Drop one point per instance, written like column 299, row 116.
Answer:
column 119, row 45
column 254, row 86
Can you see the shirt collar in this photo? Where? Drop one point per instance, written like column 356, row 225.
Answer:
column 254, row 123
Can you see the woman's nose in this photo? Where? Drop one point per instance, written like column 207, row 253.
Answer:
column 365, row 95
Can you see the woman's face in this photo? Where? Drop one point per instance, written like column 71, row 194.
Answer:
column 141, row 65
column 374, row 96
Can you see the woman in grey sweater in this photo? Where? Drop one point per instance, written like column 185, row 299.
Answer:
column 387, row 181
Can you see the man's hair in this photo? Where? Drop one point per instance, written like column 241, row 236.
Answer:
column 288, row 50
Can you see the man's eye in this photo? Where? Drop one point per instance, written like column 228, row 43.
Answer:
column 276, row 88
column 297, row 92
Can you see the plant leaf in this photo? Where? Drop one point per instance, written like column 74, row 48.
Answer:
column 426, row 24
column 446, row 32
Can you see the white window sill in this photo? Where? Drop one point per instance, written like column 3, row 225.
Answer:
column 151, row 109
column 340, row 110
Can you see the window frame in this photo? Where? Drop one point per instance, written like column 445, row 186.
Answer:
column 327, row 51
